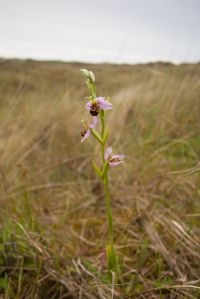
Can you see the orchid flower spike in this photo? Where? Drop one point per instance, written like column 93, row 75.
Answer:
column 97, row 104
column 113, row 160
column 87, row 126
column 88, row 74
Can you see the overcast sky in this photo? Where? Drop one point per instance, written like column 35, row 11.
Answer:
column 116, row 31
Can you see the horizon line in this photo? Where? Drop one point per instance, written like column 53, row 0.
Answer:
column 97, row 62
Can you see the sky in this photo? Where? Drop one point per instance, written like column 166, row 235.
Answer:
column 114, row 31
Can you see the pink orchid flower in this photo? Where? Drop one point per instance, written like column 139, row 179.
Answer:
column 113, row 160
column 87, row 126
column 98, row 104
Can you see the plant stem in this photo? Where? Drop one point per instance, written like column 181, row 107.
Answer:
column 102, row 135
column 108, row 208
column 110, row 250
column 111, row 256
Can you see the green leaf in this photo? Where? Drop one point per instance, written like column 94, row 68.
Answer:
column 97, row 169
column 96, row 135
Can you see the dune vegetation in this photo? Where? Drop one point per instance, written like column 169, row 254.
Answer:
column 53, row 222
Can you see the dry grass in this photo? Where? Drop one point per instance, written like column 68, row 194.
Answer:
column 53, row 222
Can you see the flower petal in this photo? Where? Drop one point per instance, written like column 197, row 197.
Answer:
column 112, row 164
column 87, row 134
column 108, row 152
column 95, row 121
column 88, row 105
column 103, row 104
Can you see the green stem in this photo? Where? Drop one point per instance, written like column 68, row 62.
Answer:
column 102, row 135
column 108, row 208
column 111, row 256
column 110, row 250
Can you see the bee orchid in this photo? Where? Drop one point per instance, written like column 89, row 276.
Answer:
column 87, row 127
column 113, row 160
column 98, row 104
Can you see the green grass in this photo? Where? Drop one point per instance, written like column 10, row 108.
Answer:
column 53, row 220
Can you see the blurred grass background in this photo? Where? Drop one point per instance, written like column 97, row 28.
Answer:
column 53, row 220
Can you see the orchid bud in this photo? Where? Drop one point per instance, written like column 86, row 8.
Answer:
column 90, row 81
column 88, row 74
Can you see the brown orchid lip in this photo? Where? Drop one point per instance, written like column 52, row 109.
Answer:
column 94, row 109
column 83, row 133
column 114, row 160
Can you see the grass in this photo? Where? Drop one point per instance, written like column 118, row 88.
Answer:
column 53, row 222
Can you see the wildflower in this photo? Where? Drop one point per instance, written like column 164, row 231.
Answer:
column 113, row 160
column 98, row 104
column 87, row 127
